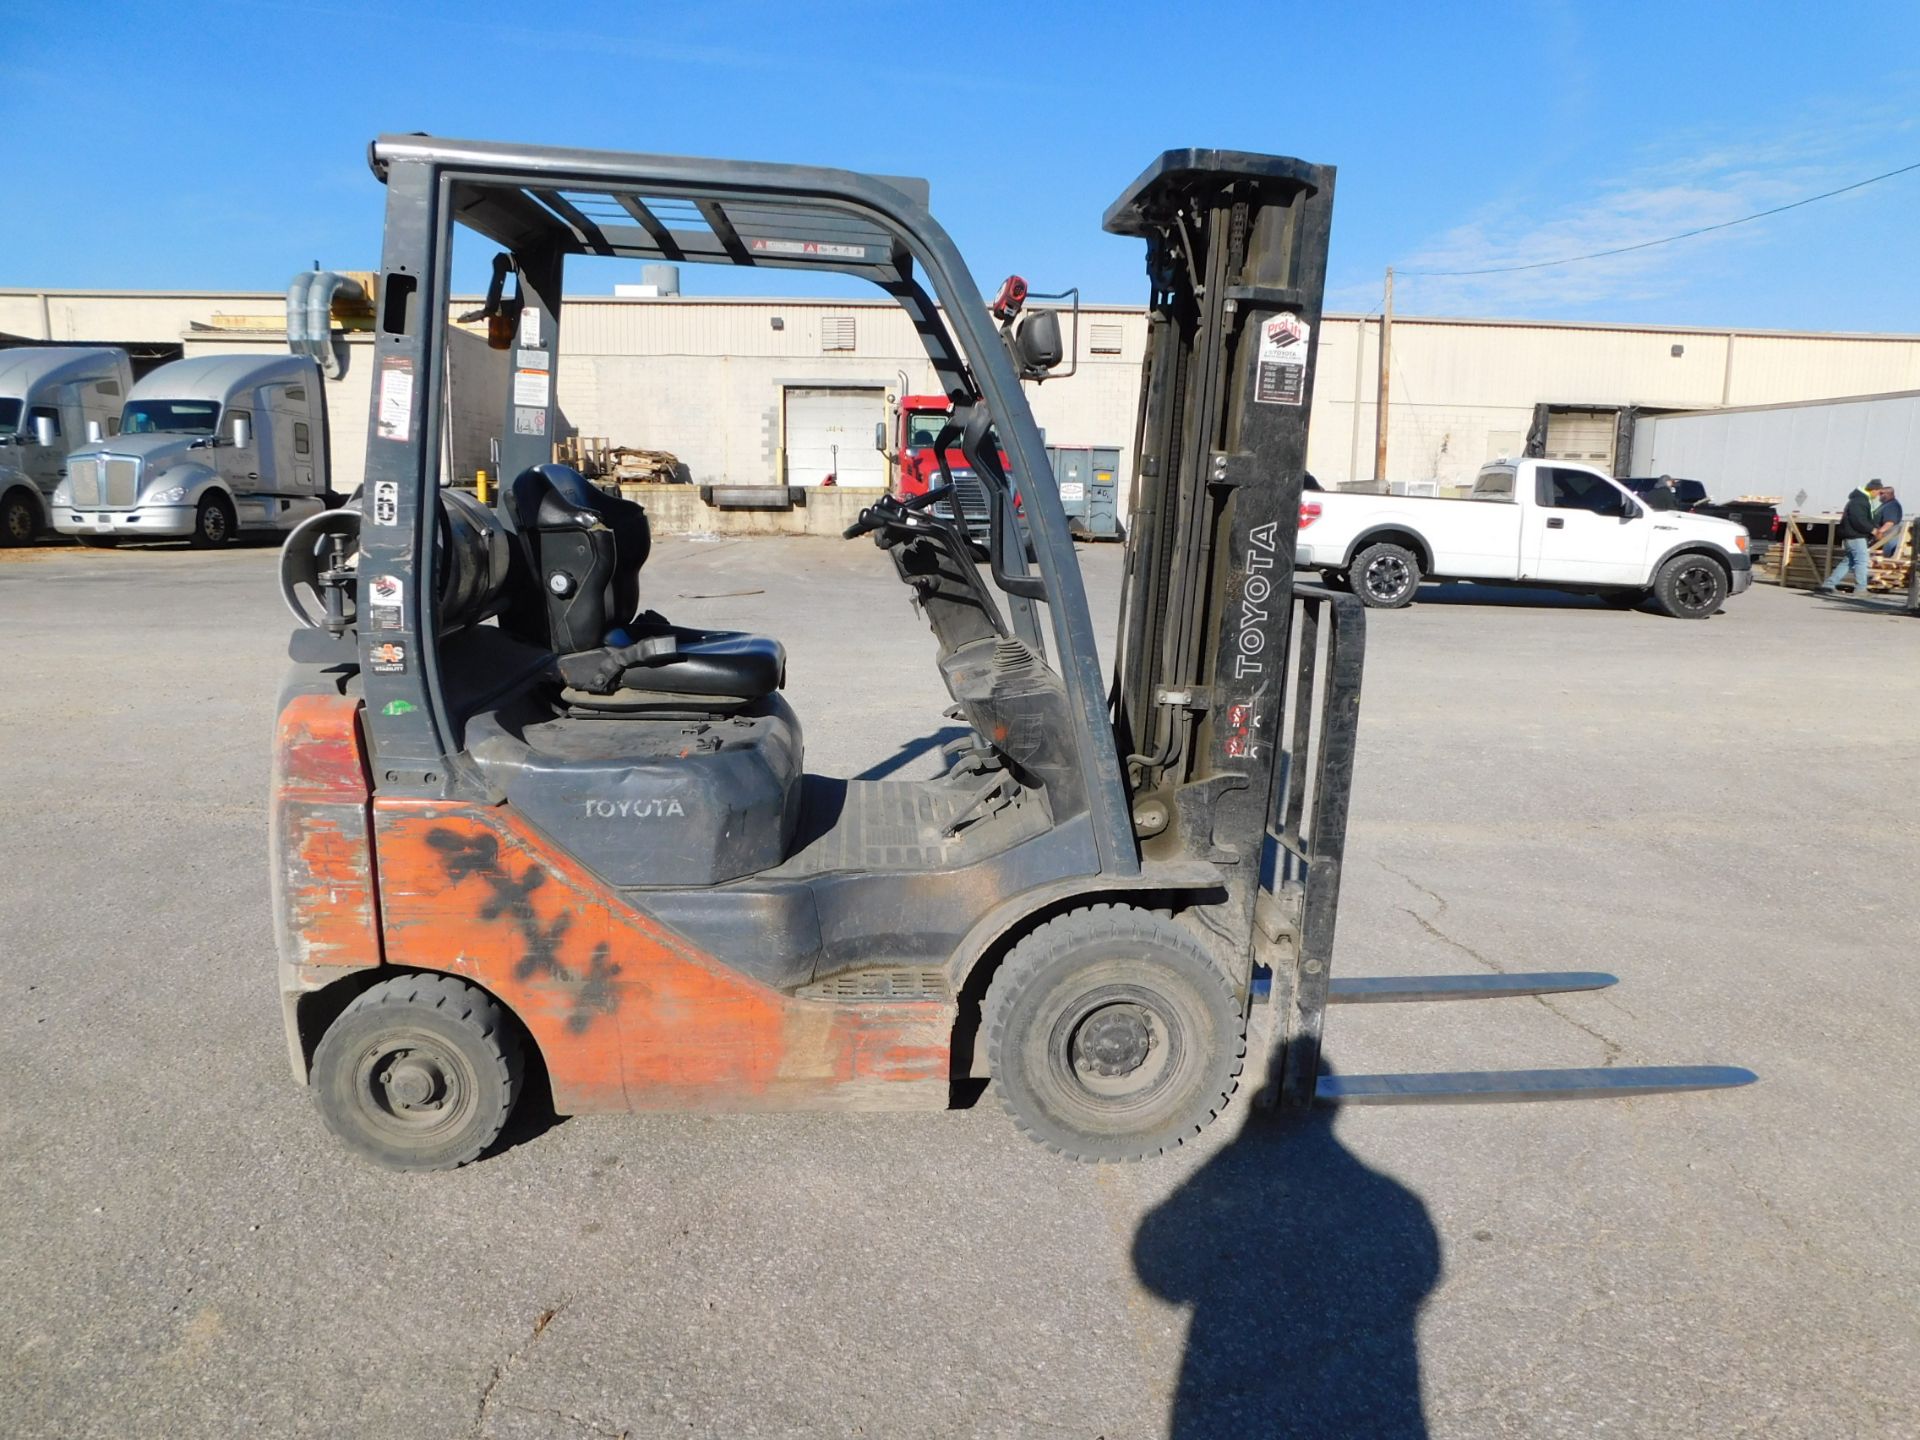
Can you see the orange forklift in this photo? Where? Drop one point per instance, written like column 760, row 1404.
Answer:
column 519, row 814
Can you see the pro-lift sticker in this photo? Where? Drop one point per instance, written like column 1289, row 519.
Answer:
column 1283, row 361
column 396, row 399
column 390, row 658
column 385, row 594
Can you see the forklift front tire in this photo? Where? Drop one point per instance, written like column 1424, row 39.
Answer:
column 418, row 1073
column 1112, row 1036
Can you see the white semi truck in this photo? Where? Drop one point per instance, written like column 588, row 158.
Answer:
column 208, row 449
column 1547, row 523
column 53, row 398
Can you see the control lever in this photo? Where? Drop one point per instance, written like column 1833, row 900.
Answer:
column 889, row 511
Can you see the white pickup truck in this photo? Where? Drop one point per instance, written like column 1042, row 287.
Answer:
column 1546, row 523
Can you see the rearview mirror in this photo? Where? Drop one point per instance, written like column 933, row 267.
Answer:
column 1037, row 342
column 880, row 435
column 43, row 430
column 242, row 432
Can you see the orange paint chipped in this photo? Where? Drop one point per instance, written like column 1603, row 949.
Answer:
column 322, row 846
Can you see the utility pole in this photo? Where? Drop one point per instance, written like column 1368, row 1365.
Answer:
column 1380, row 406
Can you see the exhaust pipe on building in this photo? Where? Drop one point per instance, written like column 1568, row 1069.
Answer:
column 310, row 297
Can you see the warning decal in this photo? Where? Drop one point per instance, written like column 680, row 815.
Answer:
column 386, row 502
column 396, row 399
column 390, row 658
column 1282, row 378
column 529, row 421
column 530, row 387
column 384, row 596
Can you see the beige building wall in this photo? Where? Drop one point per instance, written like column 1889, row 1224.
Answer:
column 703, row 377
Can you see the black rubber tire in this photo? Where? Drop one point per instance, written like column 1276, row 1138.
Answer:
column 1691, row 587
column 1385, row 576
column 19, row 518
column 98, row 542
column 457, row 1034
column 1129, row 967
column 213, row 524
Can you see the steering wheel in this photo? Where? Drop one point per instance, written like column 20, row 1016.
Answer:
column 890, row 511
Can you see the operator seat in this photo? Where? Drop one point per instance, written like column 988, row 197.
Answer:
column 577, row 589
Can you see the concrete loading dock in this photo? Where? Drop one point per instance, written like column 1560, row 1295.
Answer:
column 185, row 1257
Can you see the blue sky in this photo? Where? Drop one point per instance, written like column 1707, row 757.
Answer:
column 221, row 145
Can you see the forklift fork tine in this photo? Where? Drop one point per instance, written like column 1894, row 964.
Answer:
column 1491, row 1087
column 1385, row 989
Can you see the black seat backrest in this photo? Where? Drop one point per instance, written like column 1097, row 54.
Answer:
column 578, row 556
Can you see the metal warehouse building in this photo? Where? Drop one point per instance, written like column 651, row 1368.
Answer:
column 767, row 391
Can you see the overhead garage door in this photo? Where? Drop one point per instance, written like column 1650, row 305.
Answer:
column 1583, row 435
column 830, row 432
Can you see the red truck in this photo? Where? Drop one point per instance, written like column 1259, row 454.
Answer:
column 917, row 423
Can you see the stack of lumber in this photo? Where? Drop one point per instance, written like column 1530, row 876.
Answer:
column 630, row 466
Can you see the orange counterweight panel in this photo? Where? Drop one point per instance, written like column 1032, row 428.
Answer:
column 627, row 1014
column 326, row 910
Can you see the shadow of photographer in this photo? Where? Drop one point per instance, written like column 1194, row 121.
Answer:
column 1305, row 1270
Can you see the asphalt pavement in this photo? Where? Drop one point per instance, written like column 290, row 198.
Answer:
column 1720, row 813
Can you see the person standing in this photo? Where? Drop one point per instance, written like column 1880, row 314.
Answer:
column 1856, row 528
column 1886, row 522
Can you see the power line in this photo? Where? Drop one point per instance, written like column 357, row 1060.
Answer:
column 1669, row 239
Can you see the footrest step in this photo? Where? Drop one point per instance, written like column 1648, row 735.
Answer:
column 892, row 983
column 1492, row 1087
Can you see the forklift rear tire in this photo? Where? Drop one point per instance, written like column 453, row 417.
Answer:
column 1385, row 576
column 418, row 1073
column 1112, row 1036
column 213, row 524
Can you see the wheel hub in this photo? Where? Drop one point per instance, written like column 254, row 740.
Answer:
column 1387, row 576
column 1114, row 1041
column 413, row 1082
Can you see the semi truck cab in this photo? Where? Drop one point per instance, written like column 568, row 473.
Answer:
column 52, row 399
column 208, row 448
column 918, row 421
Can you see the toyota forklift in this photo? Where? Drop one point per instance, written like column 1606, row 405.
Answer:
column 522, row 819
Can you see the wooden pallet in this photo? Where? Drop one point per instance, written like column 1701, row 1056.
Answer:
column 1809, row 549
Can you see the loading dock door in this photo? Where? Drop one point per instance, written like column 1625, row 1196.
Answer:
column 1583, row 435
column 829, row 431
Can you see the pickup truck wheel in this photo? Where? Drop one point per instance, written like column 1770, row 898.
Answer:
column 1690, row 587
column 1385, row 576
column 418, row 1073
column 213, row 524
column 1112, row 1035
column 19, row 518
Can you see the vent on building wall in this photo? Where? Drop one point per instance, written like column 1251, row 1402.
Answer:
column 836, row 332
column 1106, row 339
